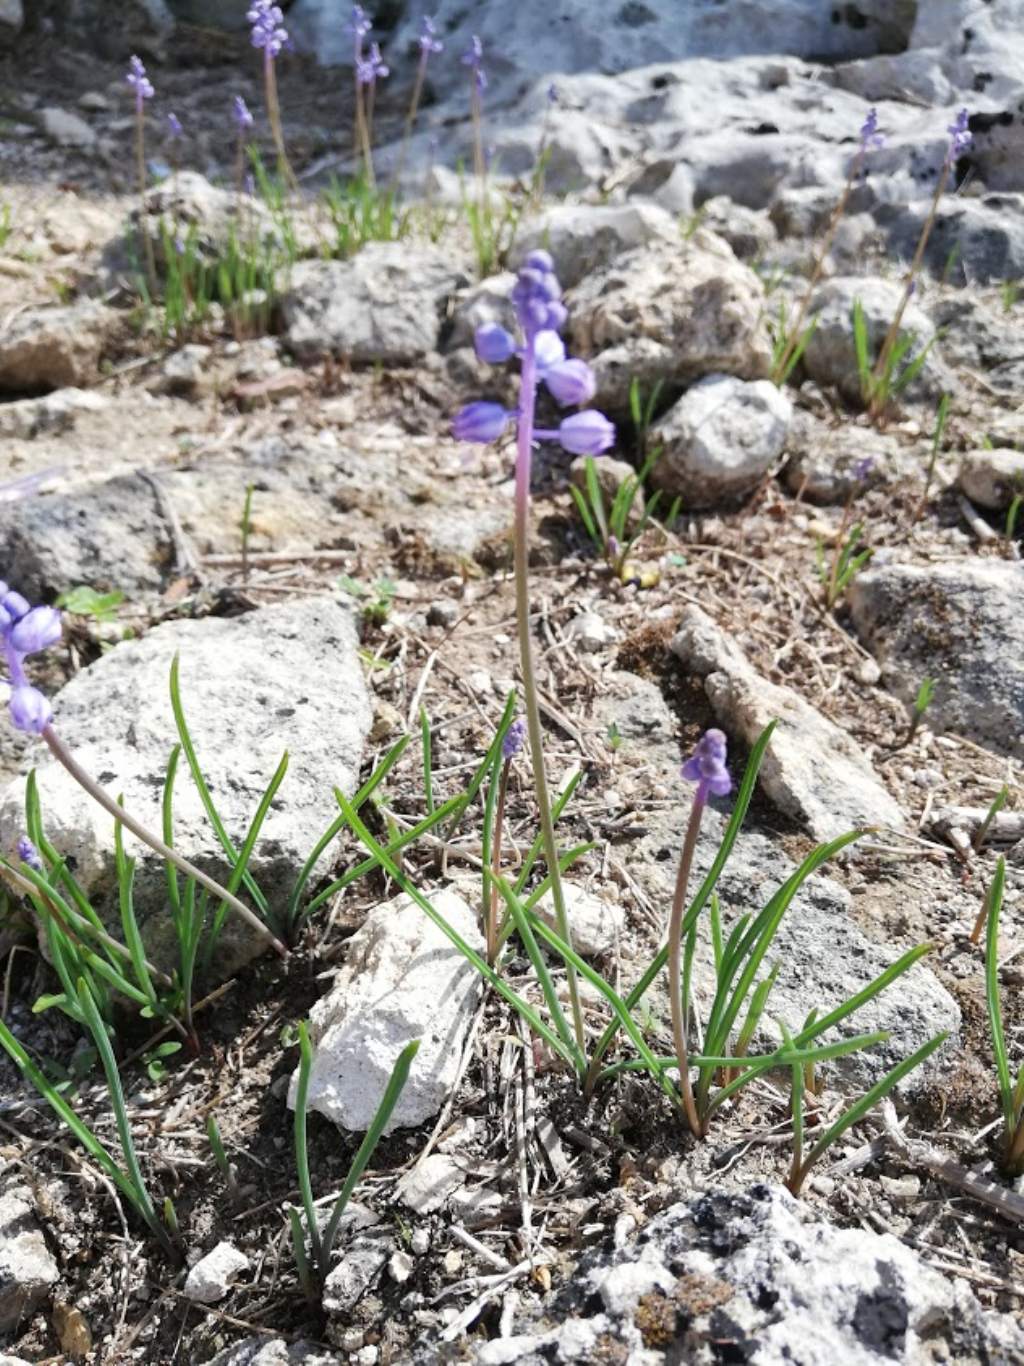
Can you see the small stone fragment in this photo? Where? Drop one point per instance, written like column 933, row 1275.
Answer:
column 212, row 1276
column 596, row 925
column 403, row 979
column 27, row 1269
column 430, row 1183
column 992, row 478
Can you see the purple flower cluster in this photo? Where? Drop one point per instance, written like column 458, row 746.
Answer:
column 24, row 631
column 537, row 299
column 174, row 127
column 706, row 766
column 28, row 853
column 474, row 58
column 515, row 738
column 372, row 68
column 268, row 31
column 139, row 82
column 960, row 138
column 428, row 39
column 243, row 118
column 870, row 137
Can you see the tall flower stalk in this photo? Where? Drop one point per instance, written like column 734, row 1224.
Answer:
column 143, row 88
column 359, row 27
column 706, row 767
column 960, row 140
column 474, row 59
column 870, row 139
column 429, row 43
column 26, row 630
column 269, row 34
column 540, row 313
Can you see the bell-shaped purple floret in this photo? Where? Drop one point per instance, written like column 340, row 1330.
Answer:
column 586, row 433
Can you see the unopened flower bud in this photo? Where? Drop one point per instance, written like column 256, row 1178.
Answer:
column 37, row 630
column 30, row 711
column 586, row 433
column 571, row 382
column 483, row 422
column 494, row 344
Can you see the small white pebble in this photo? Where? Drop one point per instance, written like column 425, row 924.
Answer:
column 400, row 1267
column 420, row 1241
column 452, row 1262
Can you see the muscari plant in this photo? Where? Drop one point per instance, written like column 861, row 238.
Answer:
column 724, row 1066
column 540, row 314
column 792, row 337
column 1011, row 1093
column 270, row 36
column 848, row 554
column 142, row 88
column 313, row 1265
column 609, row 528
column 882, row 380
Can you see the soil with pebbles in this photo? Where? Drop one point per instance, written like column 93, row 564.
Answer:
column 452, row 622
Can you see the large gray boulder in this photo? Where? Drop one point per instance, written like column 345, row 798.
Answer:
column 53, row 347
column 830, row 356
column 586, row 237
column 385, row 304
column 111, row 535
column 959, row 623
column 719, row 440
column 286, row 677
column 755, row 1272
column 671, row 317
column 528, row 40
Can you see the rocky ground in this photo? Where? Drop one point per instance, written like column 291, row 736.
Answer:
column 690, row 173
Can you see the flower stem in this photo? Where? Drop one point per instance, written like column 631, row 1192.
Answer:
column 879, row 394
column 499, row 822
column 819, row 265
column 675, row 991
column 410, row 118
column 274, row 115
column 522, row 570
column 140, row 167
column 363, row 132
column 64, row 756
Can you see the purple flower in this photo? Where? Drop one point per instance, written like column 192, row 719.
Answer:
column 36, row 630
column 570, row 382
column 548, row 349
column 473, row 58
column 139, row 82
column 28, row 853
column 863, row 468
column 174, row 127
column 268, row 31
column 24, row 631
column 243, row 118
column 552, row 93
column 536, row 297
column 483, row 422
column 706, row 766
column 30, row 711
column 870, row 137
column 359, row 26
column 494, row 344
column 428, row 39
column 586, row 433
column 514, row 739
column 371, row 69
column 960, row 138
